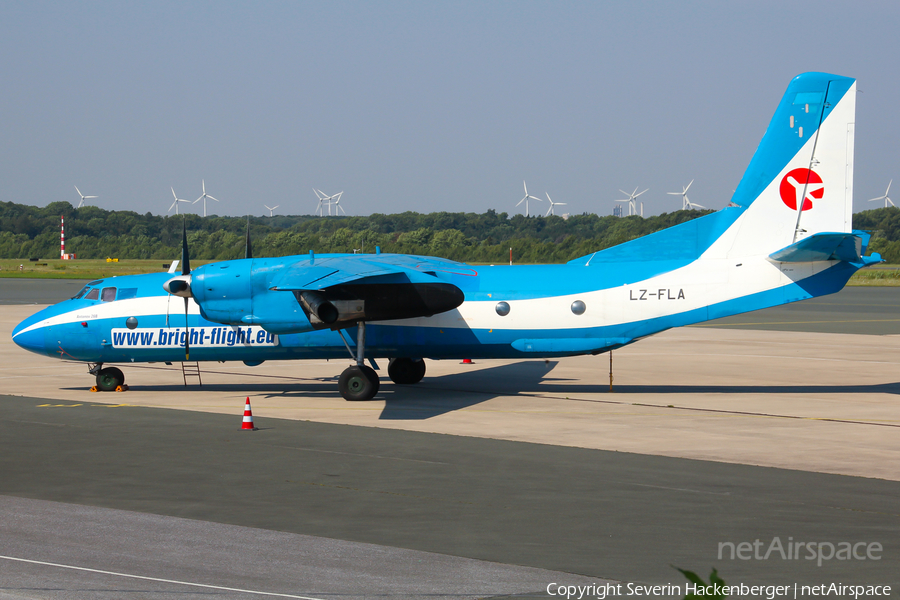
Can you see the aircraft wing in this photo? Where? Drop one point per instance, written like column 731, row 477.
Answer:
column 319, row 274
column 335, row 290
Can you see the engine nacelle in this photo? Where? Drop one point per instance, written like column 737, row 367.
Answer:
column 236, row 292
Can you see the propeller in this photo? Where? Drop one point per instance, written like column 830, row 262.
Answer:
column 181, row 286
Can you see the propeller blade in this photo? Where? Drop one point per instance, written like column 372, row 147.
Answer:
column 185, row 255
column 187, row 333
column 79, row 191
column 675, row 193
column 636, row 195
column 888, row 190
column 211, row 198
column 688, row 186
column 248, row 252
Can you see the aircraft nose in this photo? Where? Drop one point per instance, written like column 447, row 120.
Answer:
column 31, row 339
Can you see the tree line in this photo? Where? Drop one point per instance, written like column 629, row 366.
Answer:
column 92, row 232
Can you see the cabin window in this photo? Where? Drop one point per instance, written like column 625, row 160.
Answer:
column 93, row 294
column 127, row 294
column 108, row 294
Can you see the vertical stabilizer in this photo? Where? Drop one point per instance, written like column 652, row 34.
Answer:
column 800, row 181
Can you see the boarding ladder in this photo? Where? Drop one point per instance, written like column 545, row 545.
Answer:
column 191, row 369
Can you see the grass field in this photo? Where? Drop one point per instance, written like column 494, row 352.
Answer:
column 54, row 268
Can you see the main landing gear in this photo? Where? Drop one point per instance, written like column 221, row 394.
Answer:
column 359, row 382
column 108, row 379
column 406, row 370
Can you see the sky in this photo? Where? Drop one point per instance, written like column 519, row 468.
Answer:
column 422, row 106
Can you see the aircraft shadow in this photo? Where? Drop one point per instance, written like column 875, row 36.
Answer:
column 440, row 395
column 436, row 396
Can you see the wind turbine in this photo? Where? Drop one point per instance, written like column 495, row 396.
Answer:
column 552, row 204
column 685, row 203
column 271, row 208
column 337, row 204
column 525, row 199
column 632, row 207
column 329, row 200
column 177, row 200
column 83, row 197
column 203, row 197
column 885, row 197
column 321, row 197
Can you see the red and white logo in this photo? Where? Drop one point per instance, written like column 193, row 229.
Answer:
column 794, row 184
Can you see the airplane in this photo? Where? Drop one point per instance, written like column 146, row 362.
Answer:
column 785, row 236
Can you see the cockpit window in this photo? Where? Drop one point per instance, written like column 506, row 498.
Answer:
column 93, row 294
column 108, row 295
column 83, row 291
column 127, row 293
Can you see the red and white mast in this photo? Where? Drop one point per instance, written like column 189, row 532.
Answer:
column 62, row 240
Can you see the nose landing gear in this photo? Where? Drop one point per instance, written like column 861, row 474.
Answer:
column 109, row 379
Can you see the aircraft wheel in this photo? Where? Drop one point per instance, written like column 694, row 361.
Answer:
column 406, row 370
column 359, row 383
column 109, row 379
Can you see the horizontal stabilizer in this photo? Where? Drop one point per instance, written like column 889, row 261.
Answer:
column 822, row 246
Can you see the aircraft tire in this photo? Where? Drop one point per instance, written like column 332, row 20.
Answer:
column 109, row 379
column 406, row 371
column 359, row 383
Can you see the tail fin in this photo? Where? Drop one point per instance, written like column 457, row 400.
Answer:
column 800, row 181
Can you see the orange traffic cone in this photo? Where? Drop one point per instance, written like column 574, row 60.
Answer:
column 467, row 361
column 248, row 417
